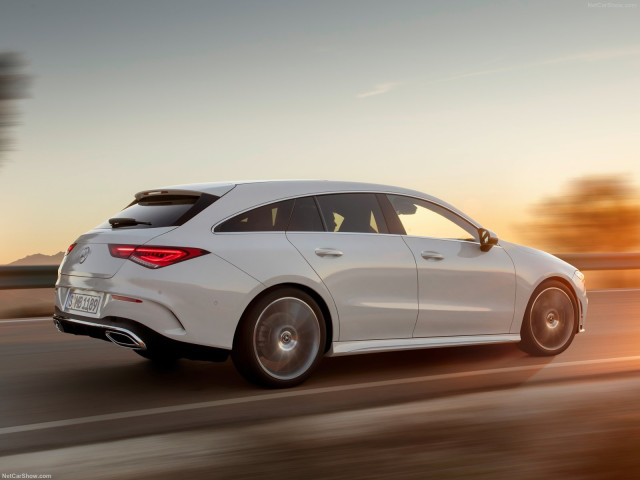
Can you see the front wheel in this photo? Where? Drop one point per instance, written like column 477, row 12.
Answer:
column 280, row 340
column 550, row 321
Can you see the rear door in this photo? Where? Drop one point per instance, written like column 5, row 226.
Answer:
column 370, row 274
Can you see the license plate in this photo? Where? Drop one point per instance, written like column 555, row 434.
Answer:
column 86, row 303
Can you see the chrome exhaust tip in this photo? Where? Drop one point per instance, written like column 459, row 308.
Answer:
column 126, row 340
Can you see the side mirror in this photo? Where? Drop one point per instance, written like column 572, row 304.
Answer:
column 487, row 239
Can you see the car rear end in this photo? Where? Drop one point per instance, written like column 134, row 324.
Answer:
column 136, row 279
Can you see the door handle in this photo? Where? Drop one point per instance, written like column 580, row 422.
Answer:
column 328, row 252
column 429, row 255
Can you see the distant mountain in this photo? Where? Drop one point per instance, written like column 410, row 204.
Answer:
column 39, row 259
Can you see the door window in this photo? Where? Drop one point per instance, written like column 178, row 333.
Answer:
column 352, row 212
column 424, row 219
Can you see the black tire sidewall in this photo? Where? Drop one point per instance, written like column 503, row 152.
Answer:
column 243, row 354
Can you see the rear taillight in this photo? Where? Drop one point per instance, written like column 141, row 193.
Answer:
column 155, row 257
column 121, row 251
column 70, row 248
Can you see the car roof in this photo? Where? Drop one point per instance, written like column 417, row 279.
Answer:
column 264, row 191
column 292, row 187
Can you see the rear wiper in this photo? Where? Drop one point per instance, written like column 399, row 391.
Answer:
column 125, row 222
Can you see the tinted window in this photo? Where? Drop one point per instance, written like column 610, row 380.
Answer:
column 270, row 218
column 424, row 219
column 352, row 212
column 163, row 210
column 305, row 216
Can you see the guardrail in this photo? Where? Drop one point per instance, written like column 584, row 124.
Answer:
column 602, row 261
column 39, row 276
column 44, row 276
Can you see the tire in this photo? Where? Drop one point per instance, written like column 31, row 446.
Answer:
column 280, row 339
column 550, row 321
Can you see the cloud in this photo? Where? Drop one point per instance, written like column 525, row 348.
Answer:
column 594, row 56
column 597, row 55
column 379, row 89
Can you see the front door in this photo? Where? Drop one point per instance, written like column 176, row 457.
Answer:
column 462, row 290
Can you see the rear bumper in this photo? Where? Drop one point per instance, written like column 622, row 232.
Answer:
column 130, row 334
column 195, row 303
column 107, row 331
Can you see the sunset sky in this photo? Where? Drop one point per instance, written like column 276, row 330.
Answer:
column 491, row 106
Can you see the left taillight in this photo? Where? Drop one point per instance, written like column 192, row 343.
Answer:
column 155, row 256
column 71, row 247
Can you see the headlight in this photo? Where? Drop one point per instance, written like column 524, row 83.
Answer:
column 579, row 275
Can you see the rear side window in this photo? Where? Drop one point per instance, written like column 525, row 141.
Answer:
column 269, row 218
column 352, row 212
column 163, row 210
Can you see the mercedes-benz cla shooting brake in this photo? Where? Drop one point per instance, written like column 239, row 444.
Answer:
column 280, row 273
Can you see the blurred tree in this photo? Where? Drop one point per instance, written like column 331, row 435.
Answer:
column 597, row 214
column 12, row 86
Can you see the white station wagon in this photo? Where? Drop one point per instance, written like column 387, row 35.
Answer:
column 280, row 273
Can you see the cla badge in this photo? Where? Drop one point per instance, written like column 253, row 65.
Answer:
column 84, row 254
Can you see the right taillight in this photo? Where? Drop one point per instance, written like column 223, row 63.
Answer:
column 155, row 256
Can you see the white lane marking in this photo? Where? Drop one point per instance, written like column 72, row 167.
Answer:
column 614, row 290
column 297, row 393
column 27, row 320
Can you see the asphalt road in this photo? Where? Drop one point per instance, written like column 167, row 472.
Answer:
column 65, row 399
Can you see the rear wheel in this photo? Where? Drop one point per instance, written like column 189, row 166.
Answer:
column 280, row 339
column 550, row 321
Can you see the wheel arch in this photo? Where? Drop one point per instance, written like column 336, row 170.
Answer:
column 322, row 304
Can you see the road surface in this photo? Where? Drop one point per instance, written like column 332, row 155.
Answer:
column 74, row 407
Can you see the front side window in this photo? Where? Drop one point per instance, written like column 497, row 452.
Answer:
column 268, row 218
column 424, row 219
column 352, row 212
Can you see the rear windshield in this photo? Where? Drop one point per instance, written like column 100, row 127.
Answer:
column 162, row 210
